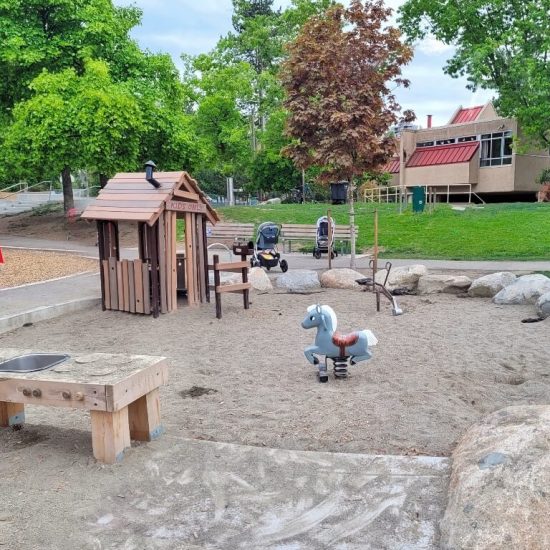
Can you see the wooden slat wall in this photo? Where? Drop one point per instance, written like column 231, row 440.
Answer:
column 127, row 286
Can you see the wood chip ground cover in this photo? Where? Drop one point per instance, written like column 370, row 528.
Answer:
column 31, row 266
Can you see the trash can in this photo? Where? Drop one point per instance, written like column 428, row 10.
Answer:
column 419, row 199
column 339, row 192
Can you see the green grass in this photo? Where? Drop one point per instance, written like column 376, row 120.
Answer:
column 516, row 231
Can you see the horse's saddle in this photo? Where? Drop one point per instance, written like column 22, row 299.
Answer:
column 344, row 340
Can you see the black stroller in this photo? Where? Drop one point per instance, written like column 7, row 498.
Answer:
column 265, row 249
column 321, row 239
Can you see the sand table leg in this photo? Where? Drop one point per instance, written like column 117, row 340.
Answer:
column 144, row 417
column 110, row 435
column 11, row 414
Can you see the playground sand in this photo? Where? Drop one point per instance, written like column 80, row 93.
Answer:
column 445, row 363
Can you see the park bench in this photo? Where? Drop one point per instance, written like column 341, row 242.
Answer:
column 120, row 391
column 226, row 231
column 308, row 233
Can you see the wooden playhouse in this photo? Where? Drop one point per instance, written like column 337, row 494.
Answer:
column 150, row 284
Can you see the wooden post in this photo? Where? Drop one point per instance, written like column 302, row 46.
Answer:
column 329, row 216
column 11, row 414
column 101, row 246
column 217, row 283
column 155, row 306
column 110, row 435
column 144, row 417
column 246, row 291
column 375, row 253
column 205, row 252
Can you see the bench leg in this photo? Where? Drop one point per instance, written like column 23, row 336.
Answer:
column 144, row 416
column 110, row 435
column 11, row 414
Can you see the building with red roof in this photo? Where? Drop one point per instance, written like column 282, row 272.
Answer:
column 473, row 154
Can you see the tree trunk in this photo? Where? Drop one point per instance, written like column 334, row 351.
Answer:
column 68, row 200
column 352, row 225
column 103, row 179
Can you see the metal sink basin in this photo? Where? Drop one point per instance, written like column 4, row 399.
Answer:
column 33, row 362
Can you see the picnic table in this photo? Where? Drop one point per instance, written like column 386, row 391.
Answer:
column 120, row 391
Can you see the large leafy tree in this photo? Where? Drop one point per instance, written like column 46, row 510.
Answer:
column 74, row 122
column 338, row 80
column 56, row 35
column 500, row 46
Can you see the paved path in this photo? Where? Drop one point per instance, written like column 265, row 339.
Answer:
column 298, row 260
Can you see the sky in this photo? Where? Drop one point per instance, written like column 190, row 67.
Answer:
column 194, row 26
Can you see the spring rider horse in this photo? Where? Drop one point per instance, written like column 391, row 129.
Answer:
column 333, row 345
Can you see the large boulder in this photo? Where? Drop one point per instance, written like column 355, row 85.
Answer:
column 499, row 492
column 526, row 290
column 489, row 285
column 341, row 278
column 298, row 280
column 448, row 284
column 226, row 278
column 259, row 280
column 543, row 306
column 405, row 278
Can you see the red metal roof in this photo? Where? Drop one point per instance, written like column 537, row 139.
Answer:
column 443, row 154
column 392, row 166
column 467, row 115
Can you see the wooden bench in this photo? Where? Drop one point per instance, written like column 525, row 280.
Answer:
column 225, row 231
column 120, row 391
column 304, row 233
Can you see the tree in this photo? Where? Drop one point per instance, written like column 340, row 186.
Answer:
column 56, row 35
column 500, row 46
column 337, row 79
column 74, row 122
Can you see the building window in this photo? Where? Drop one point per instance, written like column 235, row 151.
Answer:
column 425, row 144
column 445, row 141
column 496, row 149
column 467, row 138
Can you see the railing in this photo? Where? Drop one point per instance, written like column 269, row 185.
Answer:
column 393, row 194
column 24, row 187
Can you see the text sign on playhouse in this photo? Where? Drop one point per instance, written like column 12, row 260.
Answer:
column 180, row 206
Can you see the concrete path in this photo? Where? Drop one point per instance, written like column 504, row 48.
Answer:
column 298, row 260
column 186, row 494
column 39, row 301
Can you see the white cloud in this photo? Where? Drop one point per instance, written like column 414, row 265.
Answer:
column 431, row 46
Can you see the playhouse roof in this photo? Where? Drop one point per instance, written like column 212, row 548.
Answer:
column 130, row 197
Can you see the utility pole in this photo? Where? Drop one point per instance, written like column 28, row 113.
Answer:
column 303, row 186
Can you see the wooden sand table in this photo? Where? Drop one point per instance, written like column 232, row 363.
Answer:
column 120, row 391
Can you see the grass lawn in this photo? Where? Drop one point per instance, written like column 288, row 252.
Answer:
column 515, row 231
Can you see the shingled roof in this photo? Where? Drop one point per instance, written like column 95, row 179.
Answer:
column 130, row 197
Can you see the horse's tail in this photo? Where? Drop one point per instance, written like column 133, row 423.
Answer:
column 371, row 338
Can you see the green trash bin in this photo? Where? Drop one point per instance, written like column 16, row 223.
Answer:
column 419, row 199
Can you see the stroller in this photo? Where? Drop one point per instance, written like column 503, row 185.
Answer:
column 321, row 239
column 265, row 250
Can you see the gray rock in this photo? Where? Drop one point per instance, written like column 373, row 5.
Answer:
column 275, row 200
column 259, row 280
column 298, row 280
column 526, row 290
column 447, row 284
column 226, row 278
column 543, row 306
column 403, row 277
column 489, row 285
column 499, row 488
column 341, row 278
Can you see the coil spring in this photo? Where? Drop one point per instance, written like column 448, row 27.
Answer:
column 341, row 367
